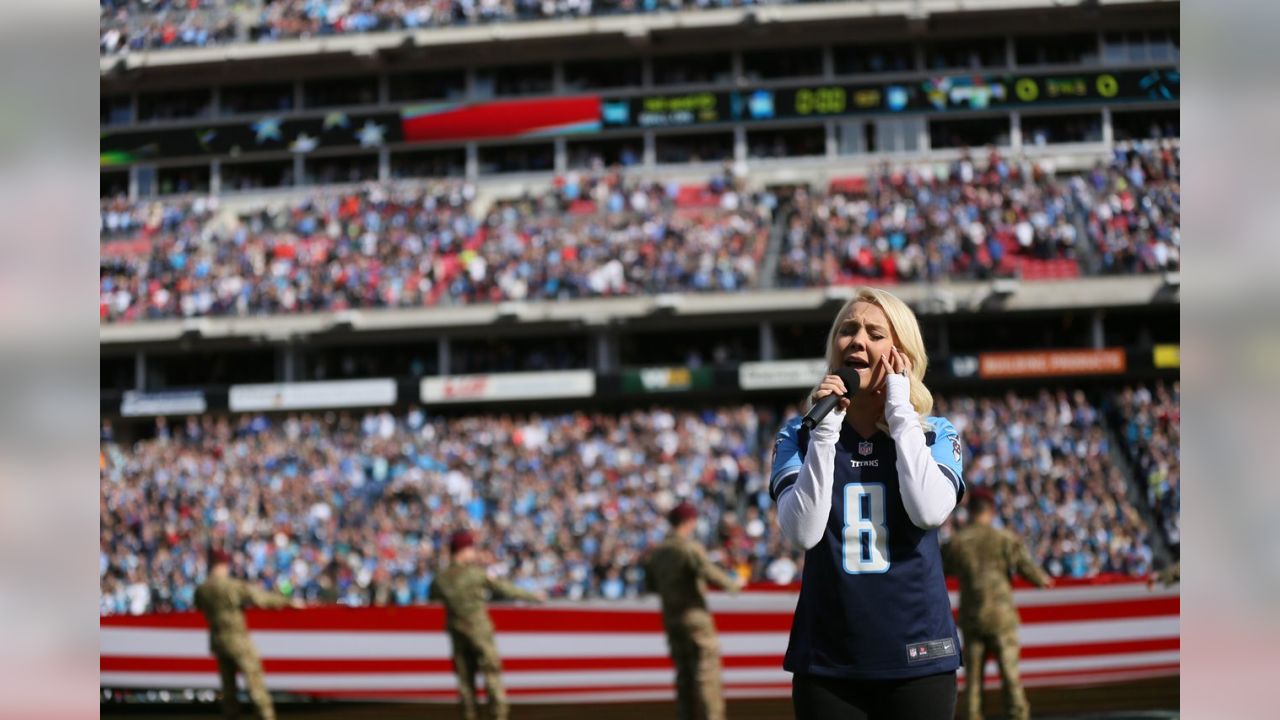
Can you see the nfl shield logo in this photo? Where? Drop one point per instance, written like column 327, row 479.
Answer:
column 864, row 448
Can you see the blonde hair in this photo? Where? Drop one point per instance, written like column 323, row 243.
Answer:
column 905, row 330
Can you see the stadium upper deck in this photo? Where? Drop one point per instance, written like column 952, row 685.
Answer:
column 796, row 94
column 598, row 236
column 825, row 82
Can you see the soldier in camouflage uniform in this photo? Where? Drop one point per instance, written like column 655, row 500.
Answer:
column 984, row 558
column 1171, row 575
column 678, row 570
column 222, row 599
column 462, row 587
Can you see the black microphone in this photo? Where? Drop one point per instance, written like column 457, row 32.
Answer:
column 828, row 403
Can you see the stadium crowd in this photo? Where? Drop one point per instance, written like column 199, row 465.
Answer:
column 1149, row 423
column 387, row 246
column 1134, row 208
column 355, row 509
column 1047, row 460
column 968, row 219
column 595, row 234
column 137, row 25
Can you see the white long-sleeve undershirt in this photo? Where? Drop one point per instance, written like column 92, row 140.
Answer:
column 804, row 507
column 928, row 495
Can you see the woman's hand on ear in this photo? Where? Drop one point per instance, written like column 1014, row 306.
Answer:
column 899, row 363
column 893, row 362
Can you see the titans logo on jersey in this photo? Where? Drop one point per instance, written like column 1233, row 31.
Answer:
column 873, row 602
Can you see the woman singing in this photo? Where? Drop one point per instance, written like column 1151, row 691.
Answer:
column 864, row 493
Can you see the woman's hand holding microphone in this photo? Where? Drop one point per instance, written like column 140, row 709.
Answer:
column 829, row 416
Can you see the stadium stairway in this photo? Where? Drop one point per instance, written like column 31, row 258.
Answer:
column 777, row 235
column 1086, row 253
column 1162, row 554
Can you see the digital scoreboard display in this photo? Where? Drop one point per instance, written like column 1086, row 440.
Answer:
column 931, row 94
column 829, row 100
column 660, row 111
column 943, row 93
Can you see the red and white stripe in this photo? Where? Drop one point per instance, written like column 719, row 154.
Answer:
column 1081, row 634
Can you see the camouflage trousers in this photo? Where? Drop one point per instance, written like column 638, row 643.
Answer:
column 1004, row 645
column 469, row 658
column 695, row 651
column 245, row 661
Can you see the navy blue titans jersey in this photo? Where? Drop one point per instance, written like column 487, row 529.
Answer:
column 873, row 602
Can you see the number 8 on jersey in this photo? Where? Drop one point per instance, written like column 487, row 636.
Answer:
column 866, row 531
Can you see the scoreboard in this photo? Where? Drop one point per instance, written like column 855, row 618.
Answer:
column 947, row 93
column 304, row 132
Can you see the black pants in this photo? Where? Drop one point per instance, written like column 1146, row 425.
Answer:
column 932, row 697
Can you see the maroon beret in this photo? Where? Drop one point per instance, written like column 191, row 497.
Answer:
column 682, row 513
column 981, row 495
column 461, row 540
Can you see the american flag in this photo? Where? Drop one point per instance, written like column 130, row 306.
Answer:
column 598, row 651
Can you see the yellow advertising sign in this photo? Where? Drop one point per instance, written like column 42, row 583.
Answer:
column 1167, row 356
